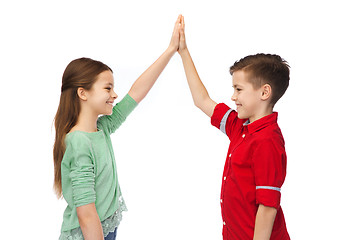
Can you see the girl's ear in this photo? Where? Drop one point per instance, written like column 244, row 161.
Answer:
column 266, row 92
column 82, row 94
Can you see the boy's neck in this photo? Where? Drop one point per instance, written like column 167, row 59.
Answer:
column 265, row 112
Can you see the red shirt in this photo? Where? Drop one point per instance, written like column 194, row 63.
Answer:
column 254, row 172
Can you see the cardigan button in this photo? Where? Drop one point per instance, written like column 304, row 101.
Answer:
column 243, row 135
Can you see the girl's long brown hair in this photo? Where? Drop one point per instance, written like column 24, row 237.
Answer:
column 83, row 73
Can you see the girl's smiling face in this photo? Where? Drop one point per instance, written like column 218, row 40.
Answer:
column 102, row 95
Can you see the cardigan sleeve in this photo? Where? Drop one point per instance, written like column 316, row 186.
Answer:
column 82, row 172
column 110, row 123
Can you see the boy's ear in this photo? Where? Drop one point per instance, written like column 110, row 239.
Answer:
column 266, row 92
column 82, row 94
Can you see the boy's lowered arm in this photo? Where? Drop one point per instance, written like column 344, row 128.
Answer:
column 199, row 93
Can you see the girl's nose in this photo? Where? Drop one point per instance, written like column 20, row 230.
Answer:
column 113, row 95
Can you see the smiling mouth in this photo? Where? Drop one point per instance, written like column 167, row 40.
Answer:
column 109, row 102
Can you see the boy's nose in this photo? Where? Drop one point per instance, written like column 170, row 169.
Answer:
column 234, row 97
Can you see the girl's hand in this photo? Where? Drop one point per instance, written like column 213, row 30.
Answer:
column 145, row 82
column 175, row 39
column 182, row 44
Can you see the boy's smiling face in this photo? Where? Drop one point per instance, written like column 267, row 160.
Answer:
column 248, row 99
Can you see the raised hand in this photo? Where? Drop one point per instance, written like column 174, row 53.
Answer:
column 145, row 82
column 175, row 39
column 199, row 93
column 182, row 44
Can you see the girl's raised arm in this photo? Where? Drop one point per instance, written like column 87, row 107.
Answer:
column 145, row 82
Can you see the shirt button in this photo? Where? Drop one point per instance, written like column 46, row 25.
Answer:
column 224, row 178
column 224, row 223
column 230, row 155
column 220, row 200
column 243, row 135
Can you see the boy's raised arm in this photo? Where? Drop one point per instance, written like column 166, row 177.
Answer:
column 199, row 93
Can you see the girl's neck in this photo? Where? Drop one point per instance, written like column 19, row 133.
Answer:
column 87, row 122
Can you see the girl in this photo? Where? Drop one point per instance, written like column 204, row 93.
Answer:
column 84, row 164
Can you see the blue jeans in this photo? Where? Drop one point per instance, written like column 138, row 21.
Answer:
column 111, row 236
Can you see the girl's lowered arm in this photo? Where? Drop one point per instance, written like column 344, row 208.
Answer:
column 145, row 82
column 89, row 221
column 199, row 93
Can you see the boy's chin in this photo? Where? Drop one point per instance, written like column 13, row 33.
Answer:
column 242, row 116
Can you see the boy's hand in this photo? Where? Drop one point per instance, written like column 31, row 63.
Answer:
column 182, row 45
column 175, row 39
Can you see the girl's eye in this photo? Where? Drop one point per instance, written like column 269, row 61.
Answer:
column 108, row 88
column 238, row 89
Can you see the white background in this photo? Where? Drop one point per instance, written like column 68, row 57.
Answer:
column 169, row 158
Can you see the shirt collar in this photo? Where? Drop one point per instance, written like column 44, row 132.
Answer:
column 261, row 123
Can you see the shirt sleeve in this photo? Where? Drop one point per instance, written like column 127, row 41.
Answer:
column 121, row 110
column 269, row 165
column 226, row 120
column 82, row 172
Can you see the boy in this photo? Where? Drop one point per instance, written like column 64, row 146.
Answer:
column 255, row 166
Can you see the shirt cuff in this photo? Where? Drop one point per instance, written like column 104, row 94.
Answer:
column 219, row 112
column 268, row 196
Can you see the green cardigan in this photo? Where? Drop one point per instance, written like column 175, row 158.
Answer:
column 88, row 169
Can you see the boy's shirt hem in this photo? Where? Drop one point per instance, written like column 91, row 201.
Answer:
column 254, row 172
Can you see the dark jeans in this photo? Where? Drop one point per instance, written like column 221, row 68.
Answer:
column 111, row 236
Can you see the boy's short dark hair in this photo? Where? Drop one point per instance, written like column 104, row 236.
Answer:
column 265, row 69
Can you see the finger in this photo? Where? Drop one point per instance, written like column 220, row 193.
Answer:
column 182, row 30
column 182, row 34
column 177, row 23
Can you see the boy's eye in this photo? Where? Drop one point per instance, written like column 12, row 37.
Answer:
column 108, row 88
column 238, row 89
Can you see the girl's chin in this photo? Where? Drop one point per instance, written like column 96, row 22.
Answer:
column 109, row 109
column 107, row 112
